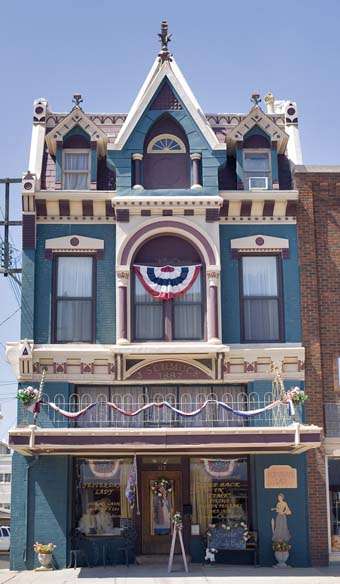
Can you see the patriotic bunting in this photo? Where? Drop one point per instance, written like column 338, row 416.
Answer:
column 167, row 282
column 132, row 413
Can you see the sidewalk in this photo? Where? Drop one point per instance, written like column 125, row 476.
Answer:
column 158, row 575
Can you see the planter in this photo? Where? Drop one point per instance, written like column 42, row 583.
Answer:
column 45, row 562
column 281, row 558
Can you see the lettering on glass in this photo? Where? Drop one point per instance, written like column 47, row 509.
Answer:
column 280, row 476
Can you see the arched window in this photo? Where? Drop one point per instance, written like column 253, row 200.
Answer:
column 178, row 318
column 166, row 156
column 166, row 144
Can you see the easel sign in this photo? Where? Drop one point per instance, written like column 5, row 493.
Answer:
column 177, row 531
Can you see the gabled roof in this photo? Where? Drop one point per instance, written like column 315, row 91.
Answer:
column 76, row 118
column 257, row 117
column 158, row 72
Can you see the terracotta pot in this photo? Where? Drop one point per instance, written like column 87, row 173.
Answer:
column 281, row 558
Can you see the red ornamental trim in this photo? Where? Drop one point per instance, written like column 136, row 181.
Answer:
column 154, row 286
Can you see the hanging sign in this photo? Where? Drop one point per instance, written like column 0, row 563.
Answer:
column 167, row 282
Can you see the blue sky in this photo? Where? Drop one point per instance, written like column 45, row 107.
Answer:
column 104, row 49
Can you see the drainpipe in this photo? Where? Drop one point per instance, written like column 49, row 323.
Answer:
column 28, row 468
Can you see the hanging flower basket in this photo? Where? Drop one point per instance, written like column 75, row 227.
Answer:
column 297, row 395
column 28, row 396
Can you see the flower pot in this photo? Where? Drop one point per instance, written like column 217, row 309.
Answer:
column 281, row 558
column 45, row 562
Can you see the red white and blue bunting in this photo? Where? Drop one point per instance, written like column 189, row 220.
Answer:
column 167, row 282
column 164, row 404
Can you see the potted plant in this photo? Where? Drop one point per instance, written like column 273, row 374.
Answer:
column 44, row 552
column 281, row 552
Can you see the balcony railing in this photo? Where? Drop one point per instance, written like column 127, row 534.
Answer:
column 332, row 419
column 102, row 415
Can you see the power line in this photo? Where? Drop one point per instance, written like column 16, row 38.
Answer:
column 10, row 316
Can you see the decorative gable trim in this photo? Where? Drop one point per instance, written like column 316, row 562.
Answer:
column 74, row 244
column 166, row 99
column 76, row 118
column 158, row 72
column 259, row 244
column 257, row 117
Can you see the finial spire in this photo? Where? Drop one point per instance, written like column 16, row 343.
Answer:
column 256, row 98
column 77, row 99
column 164, row 38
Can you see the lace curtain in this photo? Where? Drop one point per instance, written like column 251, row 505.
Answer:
column 76, row 170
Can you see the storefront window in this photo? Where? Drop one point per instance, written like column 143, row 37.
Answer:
column 334, row 501
column 219, row 492
column 102, row 495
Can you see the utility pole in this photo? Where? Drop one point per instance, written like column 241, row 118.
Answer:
column 6, row 267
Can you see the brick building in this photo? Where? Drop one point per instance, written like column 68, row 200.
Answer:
column 319, row 252
column 160, row 293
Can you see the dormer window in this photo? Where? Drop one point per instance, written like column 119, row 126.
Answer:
column 76, row 169
column 257, row 169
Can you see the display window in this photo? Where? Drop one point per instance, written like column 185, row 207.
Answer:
column 102, row 500
column 334, row 502
column 219, row 493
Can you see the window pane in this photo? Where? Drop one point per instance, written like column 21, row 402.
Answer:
column 76, row 160
column 149, row 321
column 259, row 276
column 261, row 319
column 74, row 320
column 256, row 162
column 188, row 321
column 75, row 181
column 75, row 277
column 192, row 295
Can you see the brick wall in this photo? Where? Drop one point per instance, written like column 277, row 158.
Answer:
column 318, row 219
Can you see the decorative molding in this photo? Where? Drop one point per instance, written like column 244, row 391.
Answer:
column 168, row 370
column 259, row 244
column 74, row 244
column 257, row 117
column 76, row 118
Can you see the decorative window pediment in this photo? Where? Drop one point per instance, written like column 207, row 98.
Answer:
column 259, row 244
column 257, row 117
column 74, row 244
column 76, row 118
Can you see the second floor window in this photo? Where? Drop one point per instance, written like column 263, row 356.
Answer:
column 178, row 319
column 76, row 169
column 74, row 301
column 261, row 299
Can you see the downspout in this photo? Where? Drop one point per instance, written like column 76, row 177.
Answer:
column 28, row 468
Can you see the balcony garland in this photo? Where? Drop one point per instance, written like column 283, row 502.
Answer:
column 291, row 397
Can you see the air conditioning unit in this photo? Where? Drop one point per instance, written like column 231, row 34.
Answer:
column 258, row 183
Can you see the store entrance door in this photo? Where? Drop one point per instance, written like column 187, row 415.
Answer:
column 161, row 498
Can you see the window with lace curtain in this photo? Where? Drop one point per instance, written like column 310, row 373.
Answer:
column 76, row 169
column 74, row 302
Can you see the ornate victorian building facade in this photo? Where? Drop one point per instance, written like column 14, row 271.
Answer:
column 160, row 295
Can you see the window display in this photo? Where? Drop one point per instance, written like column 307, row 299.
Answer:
column 219, row 492
column 103, row 500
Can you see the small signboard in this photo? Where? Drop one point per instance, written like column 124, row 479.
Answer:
column 280, row 476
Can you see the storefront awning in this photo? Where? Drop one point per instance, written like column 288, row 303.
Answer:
column 294, row 439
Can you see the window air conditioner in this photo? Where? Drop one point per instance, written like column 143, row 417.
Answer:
column 258, row 183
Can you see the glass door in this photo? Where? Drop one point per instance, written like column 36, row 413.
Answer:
column 161, row 498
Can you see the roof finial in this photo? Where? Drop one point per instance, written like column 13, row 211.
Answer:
column 77, row 99
column 165, row 39
column 256, row 98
